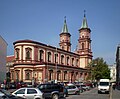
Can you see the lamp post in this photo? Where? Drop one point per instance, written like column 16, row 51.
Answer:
column 46, row 75
column 56, row 66
column 47, row 72
column 33, row 78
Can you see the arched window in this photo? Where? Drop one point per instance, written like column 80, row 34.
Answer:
column 28, row 74
column 77, row 61
column 17, row 75
column 17, row 53
column 65, row 75
column 68, row 60
column 56, row 58
column 63, row 47
column 41, row 55
column 82, row 46
column 28, row 53
column 72, row 61
column 62, row 59
column 50, row 74
column 49, row 56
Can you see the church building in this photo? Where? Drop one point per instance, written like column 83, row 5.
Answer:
column 45, row 63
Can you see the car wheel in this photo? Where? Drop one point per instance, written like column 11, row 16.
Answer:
column 55, row 96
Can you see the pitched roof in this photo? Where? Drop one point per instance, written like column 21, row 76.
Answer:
column 10, row 58
column 65, row 29
column 84, row 23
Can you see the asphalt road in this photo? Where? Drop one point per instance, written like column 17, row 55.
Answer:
column 91, row 94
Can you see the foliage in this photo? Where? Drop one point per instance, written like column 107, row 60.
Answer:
column 99, row 69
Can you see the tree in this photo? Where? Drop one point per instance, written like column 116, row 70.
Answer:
column 99, row 69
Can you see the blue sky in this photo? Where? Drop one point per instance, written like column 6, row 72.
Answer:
column 42, row 21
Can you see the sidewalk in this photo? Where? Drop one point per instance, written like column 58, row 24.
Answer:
column 116, row 93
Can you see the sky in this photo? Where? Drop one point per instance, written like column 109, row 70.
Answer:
column 42, row 21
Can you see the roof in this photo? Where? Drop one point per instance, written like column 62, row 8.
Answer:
column 65, row 29
column 35, row 42
column 84, row 23
column 10, row 58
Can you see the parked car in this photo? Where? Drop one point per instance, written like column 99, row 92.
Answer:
column 80, row 88
column 85, row 88
column 65, row 92
column 29, row 93
column 6, row 95
column 52, row 90
column 2, row 85
column 90, row 84
column 72, row 89
column 20, row 85
column 29, row 84
column 12, row 85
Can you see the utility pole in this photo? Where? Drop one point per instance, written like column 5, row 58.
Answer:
column 56, row 66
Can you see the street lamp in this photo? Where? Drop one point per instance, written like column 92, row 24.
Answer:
column 33, row 78
column 47, row 72
column 56, row 66
column 46, row 75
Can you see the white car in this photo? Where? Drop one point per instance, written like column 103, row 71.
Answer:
column 29, row 93
column 85, row 87
column 72, row 89
column 104, row 86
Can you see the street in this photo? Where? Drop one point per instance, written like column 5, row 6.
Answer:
column 91, row 94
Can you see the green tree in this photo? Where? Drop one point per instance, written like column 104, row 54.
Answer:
column 99, row 69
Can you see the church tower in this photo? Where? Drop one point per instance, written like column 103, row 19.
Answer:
column 84, row 44
column 65, row 38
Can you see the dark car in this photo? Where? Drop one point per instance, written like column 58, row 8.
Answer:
column 65, row 92
column 20, row 85
column 6, row 95
column 12, row 85
column 52, row 90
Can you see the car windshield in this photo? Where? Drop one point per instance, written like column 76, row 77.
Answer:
column 104, row 83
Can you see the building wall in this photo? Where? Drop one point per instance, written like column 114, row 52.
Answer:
column 113, row 72
column 118, row 65
column 3, row 53
column 45, row 69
